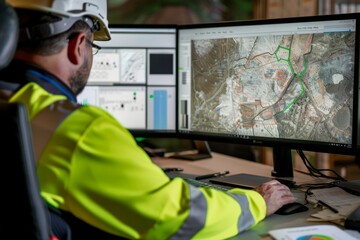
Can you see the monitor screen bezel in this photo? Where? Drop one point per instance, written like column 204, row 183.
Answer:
column 275, row 142
column 144, row 28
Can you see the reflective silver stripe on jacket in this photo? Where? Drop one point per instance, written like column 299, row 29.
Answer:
column 46, row 122
column 197, row 216
column 246, row 219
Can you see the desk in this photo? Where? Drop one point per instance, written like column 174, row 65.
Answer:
column 220, row 162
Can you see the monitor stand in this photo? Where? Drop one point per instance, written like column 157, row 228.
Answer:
column 202, row 151
column 282, row 162
column 283, row 166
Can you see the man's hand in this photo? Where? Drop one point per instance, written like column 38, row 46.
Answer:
column 275, row 194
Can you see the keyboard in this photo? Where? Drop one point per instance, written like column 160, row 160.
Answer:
column 198, row 183
column 189, row 178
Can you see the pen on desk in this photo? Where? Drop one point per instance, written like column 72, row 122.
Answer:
column 211, row 175
column 174, row 169
column 328, row 206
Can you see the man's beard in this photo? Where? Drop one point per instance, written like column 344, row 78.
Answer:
column 80, row 78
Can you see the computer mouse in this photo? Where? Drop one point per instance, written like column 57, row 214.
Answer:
column 291, row 208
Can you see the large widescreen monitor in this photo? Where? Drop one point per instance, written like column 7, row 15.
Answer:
column 134, row 78
column 284, row 83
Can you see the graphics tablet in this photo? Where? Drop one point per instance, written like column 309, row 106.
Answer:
column 248, row 181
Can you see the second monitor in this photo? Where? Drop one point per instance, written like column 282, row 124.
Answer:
column 134, row 78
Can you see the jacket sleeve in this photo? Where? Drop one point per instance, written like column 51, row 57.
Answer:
column 111, row 183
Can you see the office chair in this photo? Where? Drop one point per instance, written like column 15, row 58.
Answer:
column 8, row 33
column 23, row 213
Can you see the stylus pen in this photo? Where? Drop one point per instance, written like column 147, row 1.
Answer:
column 174, row 169
column 211, row 175
column 328, row 206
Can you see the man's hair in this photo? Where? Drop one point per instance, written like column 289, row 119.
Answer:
column 51, row 45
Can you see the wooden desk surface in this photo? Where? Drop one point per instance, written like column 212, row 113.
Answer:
column 220, row 162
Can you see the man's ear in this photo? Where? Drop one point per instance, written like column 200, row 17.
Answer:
column 77, row 48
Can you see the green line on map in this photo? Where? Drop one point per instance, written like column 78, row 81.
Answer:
column 299, row 75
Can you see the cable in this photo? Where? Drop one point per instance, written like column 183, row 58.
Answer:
column 314, row 186
column 318, row 172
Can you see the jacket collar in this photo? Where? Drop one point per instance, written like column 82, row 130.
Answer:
column 22, row 73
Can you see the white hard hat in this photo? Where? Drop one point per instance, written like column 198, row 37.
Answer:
column 70, row 11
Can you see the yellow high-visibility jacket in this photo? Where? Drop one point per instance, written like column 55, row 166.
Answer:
column 90, row 165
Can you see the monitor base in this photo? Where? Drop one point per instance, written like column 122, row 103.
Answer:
column 202, row 151
column 193, row 156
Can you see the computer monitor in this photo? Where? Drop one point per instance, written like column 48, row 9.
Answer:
column 284, row 83
column 134, row 78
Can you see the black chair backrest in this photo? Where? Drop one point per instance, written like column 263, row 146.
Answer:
column 8, row 33
column 24, row 214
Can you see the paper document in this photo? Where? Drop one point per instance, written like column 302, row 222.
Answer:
column 338, row 199
column 328, row 232
column 334, row 196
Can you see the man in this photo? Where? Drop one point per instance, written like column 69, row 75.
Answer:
column 88, row 163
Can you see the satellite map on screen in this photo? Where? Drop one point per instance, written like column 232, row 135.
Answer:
column 284, row 86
